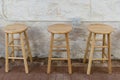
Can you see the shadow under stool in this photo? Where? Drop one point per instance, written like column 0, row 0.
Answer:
column 10, row 43
column 59, row 29
column 94, row 31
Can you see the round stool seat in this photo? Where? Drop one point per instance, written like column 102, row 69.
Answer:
column 60, row 28
column 15, row 28
column 100, row 28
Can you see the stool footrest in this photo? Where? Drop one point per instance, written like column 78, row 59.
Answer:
column 59, row 46
column 96, row 50
column 59, row 59
column 99, row 59
column 15, row 45
column 60, row 50
column 15, row 58
column 101, row 46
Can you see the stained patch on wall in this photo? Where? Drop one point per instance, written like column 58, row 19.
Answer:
column 77, row 33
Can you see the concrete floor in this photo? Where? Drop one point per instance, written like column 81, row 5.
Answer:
column 59, row 72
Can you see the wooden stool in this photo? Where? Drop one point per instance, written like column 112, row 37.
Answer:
column 19, row 29
column 59, row 29
column 105, row 31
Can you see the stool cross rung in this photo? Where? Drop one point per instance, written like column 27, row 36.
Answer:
column 59, row 46
column 14, row 45
column 59, row 59
column 17, row 45
column 60, row 50
column 15, row 58
column 99, row 59
column 101, row 46
column 96, row 50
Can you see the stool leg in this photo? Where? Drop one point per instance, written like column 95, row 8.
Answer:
column 23, row 52
column 91, row 55
column 50, row 53
column 28, row 46
column 103, row 49
column 7, row 54
column 12, row 39
column 68, row 54
column 87, row 47
column 109, row 54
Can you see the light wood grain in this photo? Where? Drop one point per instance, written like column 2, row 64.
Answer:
column 24, row 54
column 6, row 50
column 60, row 28
column 12, row 38
column 28, row 46
column 15, row 28
column 100, row 28
column 103, row 49
column 91, row 55
column 87, row 47
column 50, row 53
column 109, row 54
column 68, row 54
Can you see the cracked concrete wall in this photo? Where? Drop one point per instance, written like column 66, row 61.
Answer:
column 39, row 38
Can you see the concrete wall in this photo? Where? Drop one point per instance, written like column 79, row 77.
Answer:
column 39, row 37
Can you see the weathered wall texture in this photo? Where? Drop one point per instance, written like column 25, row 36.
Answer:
column 46, row 9
column 87, row 10
column 40, row 38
